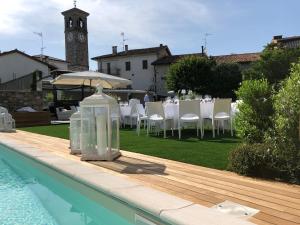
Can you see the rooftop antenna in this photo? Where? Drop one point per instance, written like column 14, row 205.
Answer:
column 123, row 40
column 74, row 2
column 42, row 42
column 205, row 41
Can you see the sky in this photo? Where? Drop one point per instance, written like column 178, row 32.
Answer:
column 234, row 26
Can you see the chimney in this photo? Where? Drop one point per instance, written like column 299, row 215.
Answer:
column 161, row 45
column 126, row 48
column 202, row 50
column 114, row 50
column 277, row 37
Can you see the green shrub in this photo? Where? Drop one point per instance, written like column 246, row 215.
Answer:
column 286, row 119
column 255, row 112
column 253, row 160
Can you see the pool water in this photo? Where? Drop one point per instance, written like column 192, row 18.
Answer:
column 33, row 194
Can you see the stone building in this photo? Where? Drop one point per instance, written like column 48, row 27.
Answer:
column 76, row 39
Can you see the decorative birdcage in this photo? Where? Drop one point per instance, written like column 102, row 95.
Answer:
column 7, row 123
column 75, row 129
column 100, row 116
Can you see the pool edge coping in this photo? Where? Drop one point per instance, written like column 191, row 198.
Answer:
column 178, row 212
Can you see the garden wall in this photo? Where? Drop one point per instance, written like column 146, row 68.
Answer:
column 13, row 100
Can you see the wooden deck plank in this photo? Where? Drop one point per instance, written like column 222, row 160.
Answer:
column 279, row 203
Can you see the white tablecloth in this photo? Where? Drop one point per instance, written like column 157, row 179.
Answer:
column 125, row 111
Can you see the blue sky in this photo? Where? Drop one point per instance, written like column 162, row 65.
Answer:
column 236, row 26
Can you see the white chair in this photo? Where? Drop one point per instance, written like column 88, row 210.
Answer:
column 63, row 114
column 132, row 116
column 156, row 115
column 189, row 112
column 141, row 117
column 221, row 113
column 134, row 101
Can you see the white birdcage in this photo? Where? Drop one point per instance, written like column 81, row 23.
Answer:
column 100, row 115
column 7, row 123
column 75, row 128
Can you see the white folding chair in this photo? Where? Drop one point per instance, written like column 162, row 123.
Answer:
column 156, row 115
column 134, row 101
column 189, row 112
column 221, row 113
column 141, row 117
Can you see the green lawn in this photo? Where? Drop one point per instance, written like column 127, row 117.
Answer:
column 208, row 152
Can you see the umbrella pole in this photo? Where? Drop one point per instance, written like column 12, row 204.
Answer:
column 90, row 86
column 82, row 92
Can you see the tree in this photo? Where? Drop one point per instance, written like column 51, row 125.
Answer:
column 226, row 80
column 274, row 64
column 191, row 73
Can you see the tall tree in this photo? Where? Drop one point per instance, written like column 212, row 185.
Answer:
column 191, row 73
column 274, row 64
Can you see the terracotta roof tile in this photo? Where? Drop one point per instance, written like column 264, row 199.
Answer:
column 237, row 58
column 233, row 58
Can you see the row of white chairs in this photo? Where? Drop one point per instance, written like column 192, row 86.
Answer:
column 189, row 113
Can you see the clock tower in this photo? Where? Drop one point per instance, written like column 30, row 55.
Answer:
column 76, row 39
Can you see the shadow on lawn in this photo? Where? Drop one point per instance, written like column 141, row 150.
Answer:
column 189, row 135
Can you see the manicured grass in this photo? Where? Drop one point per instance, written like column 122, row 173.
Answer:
column 208, row 152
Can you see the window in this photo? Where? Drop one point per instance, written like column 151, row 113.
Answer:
column 70, row 22
column 108, row 68
column 80, row 23
column 145, row 64
column 127, row 66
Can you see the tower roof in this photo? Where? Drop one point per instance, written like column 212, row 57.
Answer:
column 75, row 11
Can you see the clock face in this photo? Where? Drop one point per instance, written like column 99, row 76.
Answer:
column 81, row 37
column 70, row 37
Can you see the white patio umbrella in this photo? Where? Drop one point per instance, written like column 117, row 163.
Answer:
column 90, row 78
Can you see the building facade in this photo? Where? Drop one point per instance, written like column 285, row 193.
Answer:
column 16, row 64
column 289, row 42
column 135, row 65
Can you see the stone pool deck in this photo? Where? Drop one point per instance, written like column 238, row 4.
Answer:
column 278, row 203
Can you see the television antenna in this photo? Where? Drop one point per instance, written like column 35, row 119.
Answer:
column 40, row 34
column 205, row 41
column 123, row 40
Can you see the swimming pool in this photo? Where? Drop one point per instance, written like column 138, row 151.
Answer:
column 34, row 194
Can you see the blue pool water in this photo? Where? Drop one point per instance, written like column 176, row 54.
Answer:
column 32, row 194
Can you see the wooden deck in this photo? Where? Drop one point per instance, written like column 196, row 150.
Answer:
column 279, row 203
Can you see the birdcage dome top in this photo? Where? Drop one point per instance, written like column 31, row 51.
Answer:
column 99, row 98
